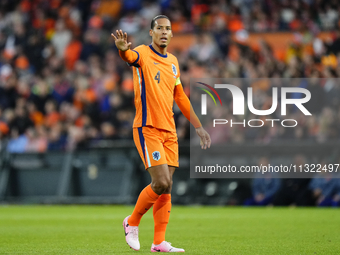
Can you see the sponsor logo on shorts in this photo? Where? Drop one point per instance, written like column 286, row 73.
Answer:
column 156, row 155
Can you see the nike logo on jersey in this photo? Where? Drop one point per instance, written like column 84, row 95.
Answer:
column 155, row 63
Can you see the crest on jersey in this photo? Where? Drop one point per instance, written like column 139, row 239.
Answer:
column 156, row 155
column 174, row 70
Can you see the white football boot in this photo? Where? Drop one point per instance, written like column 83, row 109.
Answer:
column 131, row 234
column 165, row 247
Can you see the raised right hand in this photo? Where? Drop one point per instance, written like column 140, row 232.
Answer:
column 121, row 40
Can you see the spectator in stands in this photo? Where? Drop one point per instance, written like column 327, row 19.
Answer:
column 264, row 186
column 35, row 116
column 109, row 131
column 57, row 138
column 21, row 121
column 52, row 114
column 17, row 143
column 336, row 197
column 90, row 45
column 4, row 129
column 205, row 49
column 37, row 140
column 324, row 188
column 8, row 93
column 294, row 191
column 62, row 89
column 61, row 38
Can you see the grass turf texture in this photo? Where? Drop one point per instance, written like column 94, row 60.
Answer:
column 199, row 230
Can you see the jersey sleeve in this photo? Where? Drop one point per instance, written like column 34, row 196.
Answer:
column 134, row 57
column 183, row 101
column 184, row 105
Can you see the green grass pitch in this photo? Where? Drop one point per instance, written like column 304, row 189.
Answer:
column 199, row 230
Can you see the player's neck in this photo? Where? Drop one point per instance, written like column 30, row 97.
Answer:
column 159, row 49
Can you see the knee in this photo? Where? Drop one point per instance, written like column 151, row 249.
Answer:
column 168, row 190
column 160, row 186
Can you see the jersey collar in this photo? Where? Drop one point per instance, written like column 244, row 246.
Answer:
column 159, row 54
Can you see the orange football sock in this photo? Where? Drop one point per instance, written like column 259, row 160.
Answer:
column 145, row 200
column 161, row 215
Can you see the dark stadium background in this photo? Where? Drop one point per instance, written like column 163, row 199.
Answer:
column 66, row 97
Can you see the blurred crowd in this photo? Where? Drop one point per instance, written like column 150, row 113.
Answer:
column 63, row 85
column 322, row 190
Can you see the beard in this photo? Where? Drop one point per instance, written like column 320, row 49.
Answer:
column 162, row 45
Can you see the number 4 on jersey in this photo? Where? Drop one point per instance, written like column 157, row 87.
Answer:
column 158, row 76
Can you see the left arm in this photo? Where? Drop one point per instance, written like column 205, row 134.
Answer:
column 184, row 105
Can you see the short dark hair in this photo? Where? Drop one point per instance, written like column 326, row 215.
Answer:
column 153, row 21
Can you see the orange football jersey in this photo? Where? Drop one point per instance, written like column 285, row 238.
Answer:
column 155, row 77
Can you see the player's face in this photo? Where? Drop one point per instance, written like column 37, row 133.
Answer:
column 161, row 33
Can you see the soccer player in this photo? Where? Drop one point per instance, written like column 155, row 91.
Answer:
column 157, row 84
